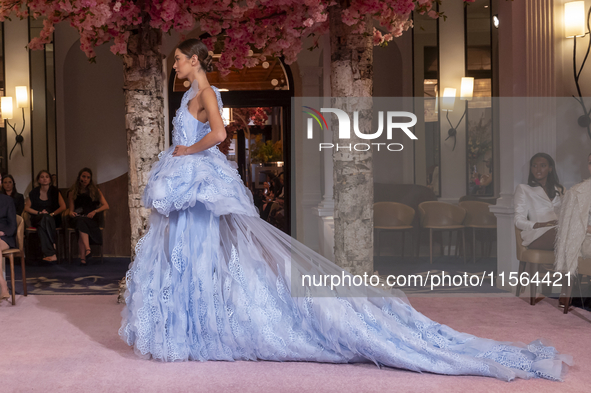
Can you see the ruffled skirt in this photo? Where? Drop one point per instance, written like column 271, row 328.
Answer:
column 223, row 287
column 177, row 183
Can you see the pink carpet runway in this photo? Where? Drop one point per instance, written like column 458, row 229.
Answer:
column 70, row 344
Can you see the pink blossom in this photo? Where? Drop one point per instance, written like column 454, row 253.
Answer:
column 377, row 37
column 88, row 3
column 36, row 43
column 347, row 18
column 319, row 17
column 271, row 27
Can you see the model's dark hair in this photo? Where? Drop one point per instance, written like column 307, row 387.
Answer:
column 76, row 188
column 3, row 191
column 42, row 171
column 552, row 180
column 194, row 46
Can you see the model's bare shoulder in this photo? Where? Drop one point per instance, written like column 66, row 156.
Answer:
column 209, row 99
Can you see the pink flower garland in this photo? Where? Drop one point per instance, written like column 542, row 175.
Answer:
column 274, row 27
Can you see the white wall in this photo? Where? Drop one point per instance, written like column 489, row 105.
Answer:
column 392, row 78
column 388, row 70
column 91, row 111
column 16, row 58
column 64, row 37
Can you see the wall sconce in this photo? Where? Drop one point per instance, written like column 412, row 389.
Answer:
column 7, row 113
column 21, row 97
column 574, row 26
column 447, row 104
column 467, row 89
column 448, row 101
column 496, row 21
column 6, row 107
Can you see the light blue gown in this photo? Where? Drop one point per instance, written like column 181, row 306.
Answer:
column 212, row 281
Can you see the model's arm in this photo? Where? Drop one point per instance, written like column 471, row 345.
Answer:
column 217, row 133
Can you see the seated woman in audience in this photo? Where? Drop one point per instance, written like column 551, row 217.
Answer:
column 278, row 188
column 85, row 200
column 260, row 197
column 7, row 235
column 268, row 203
column 277, row 214
column 44, row 204
column 537, row 204
column 9, row 188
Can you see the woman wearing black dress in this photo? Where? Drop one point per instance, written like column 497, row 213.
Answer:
column 45, row 204
column 85, row 200
column 7, row 235
column 9, row 188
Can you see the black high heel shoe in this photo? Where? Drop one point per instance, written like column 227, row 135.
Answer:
column 81, row 262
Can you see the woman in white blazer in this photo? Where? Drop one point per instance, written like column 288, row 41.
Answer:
column 537, row 204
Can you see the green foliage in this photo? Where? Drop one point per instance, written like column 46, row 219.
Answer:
column 263, row 152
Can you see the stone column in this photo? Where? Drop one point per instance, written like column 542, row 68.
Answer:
column 325, row 210
column 309, row 176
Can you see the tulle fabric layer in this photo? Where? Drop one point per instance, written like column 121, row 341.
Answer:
column 208, row 287
column 177, row 183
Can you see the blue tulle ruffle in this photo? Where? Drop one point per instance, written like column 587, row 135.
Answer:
column 177, row 183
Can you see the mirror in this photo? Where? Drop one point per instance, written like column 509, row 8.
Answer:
column 479, row 141
column 426, row 87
